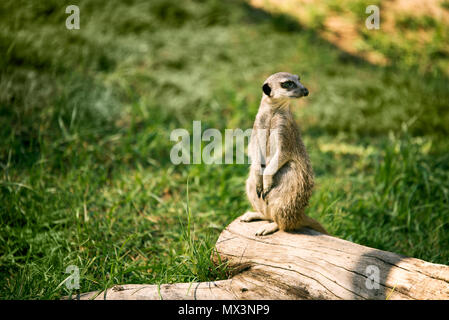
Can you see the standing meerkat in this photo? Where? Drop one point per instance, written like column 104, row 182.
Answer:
column 280, row 180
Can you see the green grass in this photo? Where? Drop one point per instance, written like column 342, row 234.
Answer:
column 86, row 116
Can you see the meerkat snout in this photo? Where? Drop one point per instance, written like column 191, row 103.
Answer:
column 284, row 85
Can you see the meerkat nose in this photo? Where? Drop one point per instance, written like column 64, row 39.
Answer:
column 305, row 92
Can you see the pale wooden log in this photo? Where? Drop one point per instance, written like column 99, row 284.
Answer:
column 300, row 265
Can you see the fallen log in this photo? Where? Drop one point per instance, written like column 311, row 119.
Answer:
column 300, row 265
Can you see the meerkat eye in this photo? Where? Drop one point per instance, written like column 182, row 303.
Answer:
column 288, row 85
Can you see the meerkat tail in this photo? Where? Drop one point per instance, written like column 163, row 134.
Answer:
column 315, row 225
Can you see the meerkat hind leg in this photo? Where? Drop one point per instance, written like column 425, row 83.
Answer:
column 267, row 229
column 251, row 216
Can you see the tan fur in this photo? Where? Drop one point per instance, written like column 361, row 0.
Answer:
column 282, row 192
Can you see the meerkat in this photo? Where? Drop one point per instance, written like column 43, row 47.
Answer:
column 281, row 178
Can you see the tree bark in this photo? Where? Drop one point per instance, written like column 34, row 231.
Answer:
column 300, row 265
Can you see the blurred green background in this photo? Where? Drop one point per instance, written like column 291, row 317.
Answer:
column 86, row 116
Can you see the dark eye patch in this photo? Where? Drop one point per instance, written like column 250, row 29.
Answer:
column 288, row 85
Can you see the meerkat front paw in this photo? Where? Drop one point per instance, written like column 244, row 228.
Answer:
column 265, row 192
column 259, row 188
column 267, row 229
column 267, row 185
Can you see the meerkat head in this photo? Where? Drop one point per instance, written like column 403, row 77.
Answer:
column 284, row 85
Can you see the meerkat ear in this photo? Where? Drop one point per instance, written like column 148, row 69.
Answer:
column 266, row 89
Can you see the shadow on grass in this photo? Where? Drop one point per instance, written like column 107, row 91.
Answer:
column 25, row 138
